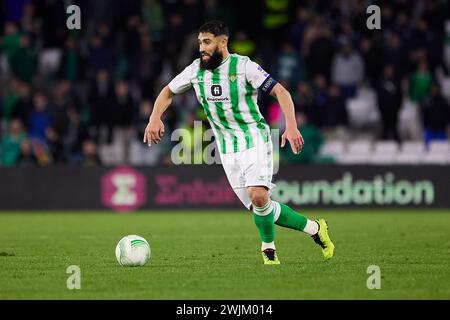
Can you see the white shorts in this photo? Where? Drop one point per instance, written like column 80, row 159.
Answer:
column 251, row 167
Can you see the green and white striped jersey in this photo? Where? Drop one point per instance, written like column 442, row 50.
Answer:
column 228, row 95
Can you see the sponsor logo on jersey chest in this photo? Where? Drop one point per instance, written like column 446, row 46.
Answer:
column 216, row 90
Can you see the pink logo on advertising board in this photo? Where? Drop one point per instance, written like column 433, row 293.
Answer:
column 124, row 189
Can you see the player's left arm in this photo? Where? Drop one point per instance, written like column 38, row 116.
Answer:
column 261, row 80
column 291, row 134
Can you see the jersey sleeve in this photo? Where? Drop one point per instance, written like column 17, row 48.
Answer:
column 182, row 82
column 258, row 78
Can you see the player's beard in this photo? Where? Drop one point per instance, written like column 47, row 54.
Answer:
column 214, row 61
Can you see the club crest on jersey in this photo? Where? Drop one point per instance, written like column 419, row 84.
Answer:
column 232, row 77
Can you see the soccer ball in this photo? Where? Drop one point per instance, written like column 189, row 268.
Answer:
column 132, row 251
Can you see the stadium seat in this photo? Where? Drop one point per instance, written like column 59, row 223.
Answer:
column 408, row 158
column 438, row 153
column 333, row 148
column 358, row 151
column 135, row 154
column 389, row 147
column 368, row 94
column 439, row 147
column 112, row 154
column 357, row 158
column 361, row 112
column 445, row 87
column 435, row 158
column 49, row 60
column 409, row 122
column 380, row 158
column 411, row 152
column 141, row 154
column 413, row 147
column 360, row 147
column 4, row 68
column 384, row 152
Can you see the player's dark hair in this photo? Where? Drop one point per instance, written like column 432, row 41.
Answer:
column 216, row 27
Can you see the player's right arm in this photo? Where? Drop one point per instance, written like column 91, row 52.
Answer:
column 179, row 84
column 155, row 127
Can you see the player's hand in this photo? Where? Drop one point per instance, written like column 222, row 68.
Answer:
column 154, row 131
column 295, row 139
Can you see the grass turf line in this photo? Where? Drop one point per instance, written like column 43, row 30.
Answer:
column 202, row 255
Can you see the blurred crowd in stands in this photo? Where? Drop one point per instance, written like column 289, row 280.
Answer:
column 83, row 97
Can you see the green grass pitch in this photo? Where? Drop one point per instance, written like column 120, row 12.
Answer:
column 215, row 255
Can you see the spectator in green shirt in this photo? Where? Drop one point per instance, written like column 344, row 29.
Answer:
column 10, row 42
column 10, row 144
column 420, row 82
column 23, row 62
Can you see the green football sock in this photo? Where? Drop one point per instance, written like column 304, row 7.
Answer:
column 264, row 222
column 290, row 218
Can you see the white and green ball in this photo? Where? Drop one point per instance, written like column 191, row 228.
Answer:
column 132, row 251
